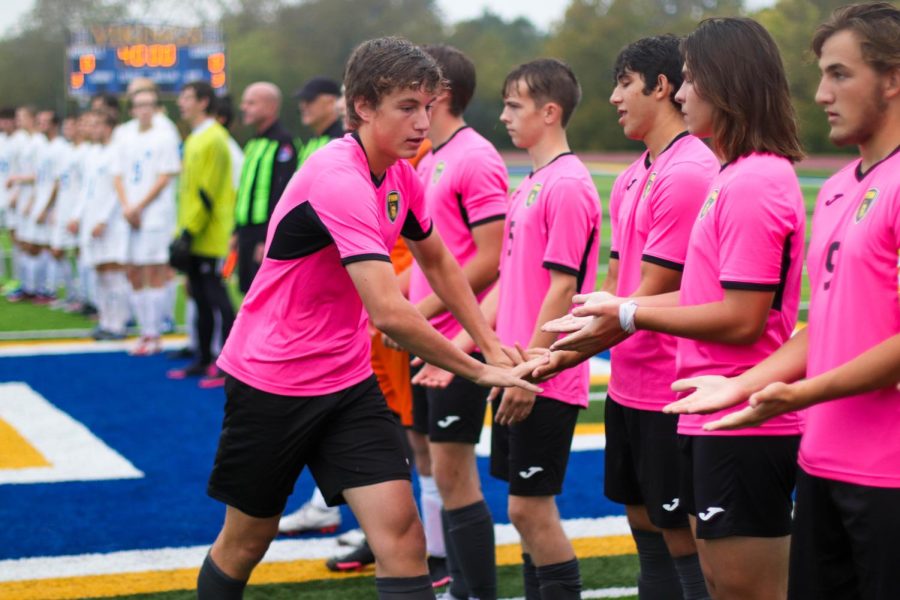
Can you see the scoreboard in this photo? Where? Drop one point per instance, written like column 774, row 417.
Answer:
column 105, row 58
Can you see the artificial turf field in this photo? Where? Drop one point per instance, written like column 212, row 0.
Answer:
column 115, row 532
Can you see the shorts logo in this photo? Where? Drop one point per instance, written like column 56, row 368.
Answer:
column 533, row 194
column 671, row 506
column 713, row 196
column 649, row 185
column 710, row 513
column 393, row 205
column 448, row 421
column 867, row 202
column 531, row 472
column 438, row 171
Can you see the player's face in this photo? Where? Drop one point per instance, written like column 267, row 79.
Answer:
column 143, row 105
column 45, row 122
column 400, row 122
column 634, row 107
column 522, row 117
column 190, row 107
column 24, row 119
column 7, row 126
column 849, row 91
column 69, row 128
column 697, row 111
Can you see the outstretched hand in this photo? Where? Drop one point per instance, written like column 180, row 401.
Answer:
column 431, row 376
column 711, row 393
column 773, row 400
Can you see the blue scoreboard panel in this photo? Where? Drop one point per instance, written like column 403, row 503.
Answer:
column 105, row 58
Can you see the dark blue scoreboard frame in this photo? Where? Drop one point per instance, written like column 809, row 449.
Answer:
column 105, row 58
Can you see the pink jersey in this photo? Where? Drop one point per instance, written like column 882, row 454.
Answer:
column 854, row 306
column 553, row 223
column 653, row 207
column 748, row 236
column 302, row 329
column 465, row 186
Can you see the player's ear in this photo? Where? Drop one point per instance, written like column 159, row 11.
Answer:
column 364, row 109
column 891, row 83
column 663, row 89
column 552, row 113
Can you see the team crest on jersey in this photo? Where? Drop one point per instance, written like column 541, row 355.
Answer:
column 649, row 185
column 533, row 194
column 393, row 205
column 867, row 202
column 438, row 171
column 285, row 153
column 713, row 196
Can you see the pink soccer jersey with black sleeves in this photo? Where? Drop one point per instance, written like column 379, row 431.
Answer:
column 748, row 235
column 465, row 186
column 854, row 305
column 553, row 223
column 653, row 207
column 302, row 329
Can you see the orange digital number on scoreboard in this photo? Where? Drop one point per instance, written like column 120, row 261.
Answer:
column 148, row 55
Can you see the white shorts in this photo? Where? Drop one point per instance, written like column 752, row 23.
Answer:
column 111, row 247
column 35, row 233
column 149, row 247
column 61, row 238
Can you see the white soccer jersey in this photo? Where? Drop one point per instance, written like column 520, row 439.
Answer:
column 50, row 156
column 142, row 157
column 70, row 176
column 99, row 203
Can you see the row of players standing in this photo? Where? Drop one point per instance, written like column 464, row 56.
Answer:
column 707, row 248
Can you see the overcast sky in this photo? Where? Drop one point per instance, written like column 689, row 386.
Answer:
column 541, row 12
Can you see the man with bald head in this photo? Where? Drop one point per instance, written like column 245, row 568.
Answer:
column 269, row 161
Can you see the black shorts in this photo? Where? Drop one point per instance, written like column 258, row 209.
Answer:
column 846, row 543
column 739, row 485
column 348, row 439
column 535, row 450
column 453, row 414
column 642, row 463
column 248, row 238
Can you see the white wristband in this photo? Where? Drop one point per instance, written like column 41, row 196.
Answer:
column 626, row 316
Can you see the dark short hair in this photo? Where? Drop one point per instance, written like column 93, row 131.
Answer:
column 7, row 112
column 459, row 71
column 877, row 25
column 548, row 80
column 109, row 101
column 225, row 109
column 378, row 67
column 203, row 91
column 735, row 66
column 651, row 57
column 54, row 116
column 106, row 118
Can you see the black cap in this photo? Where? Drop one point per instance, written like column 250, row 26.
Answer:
column 317, row 86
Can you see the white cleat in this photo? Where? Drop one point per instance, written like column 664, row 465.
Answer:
column 354, row 537
column 309, row 518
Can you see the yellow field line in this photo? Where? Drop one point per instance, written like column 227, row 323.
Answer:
column 298, row 571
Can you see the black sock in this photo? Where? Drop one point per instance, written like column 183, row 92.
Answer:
column 213, row 584
column 691, row 575
column 529, row 575
column 404, row 588
column 472, row 531
column 458, row 588
column 658, row 579
column 561, row 581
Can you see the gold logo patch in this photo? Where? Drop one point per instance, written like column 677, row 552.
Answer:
column 866, row 204
column 533, row 194
column 438, row 171
column 649, row 185
column 713, row 196
column 393, row 205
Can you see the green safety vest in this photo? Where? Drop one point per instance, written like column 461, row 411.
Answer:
column 256, row 181
column 311, row 146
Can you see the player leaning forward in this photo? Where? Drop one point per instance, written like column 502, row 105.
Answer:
column 300, row 389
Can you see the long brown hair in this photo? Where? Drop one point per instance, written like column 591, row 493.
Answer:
column 736, row 67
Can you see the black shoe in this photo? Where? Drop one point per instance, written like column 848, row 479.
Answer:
column 181, row 354
column 195, row 369
column 89, row 310
column 437, row 570
column 354, row 560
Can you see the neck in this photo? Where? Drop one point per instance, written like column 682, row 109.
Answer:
column 323, row 127
column 145, row 126
column 378, row 160
column 552, row 144
column 443, row 126
column 663, row 132
column 196, row 121
column 884, row 141
column 264, row 126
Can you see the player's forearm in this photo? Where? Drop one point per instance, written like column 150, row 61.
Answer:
column 712, row 322
column 450, row 284
column 611, row 281
column 557, row 303
column 121, row 197
column 787, row 364
column 874, row 369
column 158, row 186
column 480, row 272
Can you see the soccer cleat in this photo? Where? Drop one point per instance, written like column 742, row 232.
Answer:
column 180, row 354
column 18, row 295
column 196, row 369
column 437, row 570
column 103, row 335
column 354, row 537
column 43, row 299
column 215, row 378
column 355, row 560
column 146, row 347
column 309, row 518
